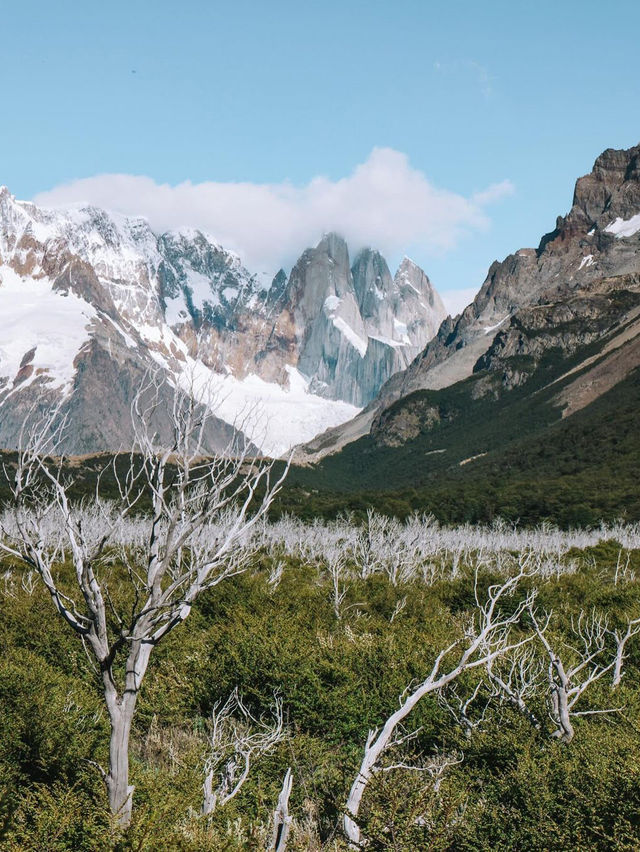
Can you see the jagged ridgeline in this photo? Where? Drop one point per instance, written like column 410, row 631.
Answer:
column 526, row 404
column 90, row 301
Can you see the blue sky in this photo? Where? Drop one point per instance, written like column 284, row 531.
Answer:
column 471, row 94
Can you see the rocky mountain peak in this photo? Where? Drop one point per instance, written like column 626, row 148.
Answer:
column 360, row 325
column 408, row 267
column 586, row 244
column 371, row 280
column 411, row 276
column 201, row 281
column 609, row 190
column 335, row 247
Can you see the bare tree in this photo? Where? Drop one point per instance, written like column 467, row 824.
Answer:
column 568, row 682
column 436, row 766
column 398, row 608
column 336, row 563
column 622, row 572
column 370, row 545
column 461, row 708
column 237, row 738
column 621, row 639
column 489, row 636
column 202, row 510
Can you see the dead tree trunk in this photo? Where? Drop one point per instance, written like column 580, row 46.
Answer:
column 633, row 628
column 567, row 683
column 117, row 779
column 281, row 818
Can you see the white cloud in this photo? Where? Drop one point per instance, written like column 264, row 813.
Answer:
column 455, row 301
column 495, row 192
column 384, row 203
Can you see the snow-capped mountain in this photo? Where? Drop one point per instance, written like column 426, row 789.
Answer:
column 90, row 300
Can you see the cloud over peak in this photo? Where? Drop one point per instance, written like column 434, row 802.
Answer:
column 384, row 202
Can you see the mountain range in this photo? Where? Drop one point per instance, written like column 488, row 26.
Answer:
column 524, row 405
column 91, row 301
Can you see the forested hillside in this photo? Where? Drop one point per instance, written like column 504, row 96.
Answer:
column 467, row 457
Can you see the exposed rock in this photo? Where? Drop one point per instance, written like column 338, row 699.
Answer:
column 584, row 317
column 360, row 325
column 395, row 426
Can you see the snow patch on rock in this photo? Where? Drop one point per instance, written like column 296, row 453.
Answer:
column 622, row 228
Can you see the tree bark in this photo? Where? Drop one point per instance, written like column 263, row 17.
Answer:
column 560, row 704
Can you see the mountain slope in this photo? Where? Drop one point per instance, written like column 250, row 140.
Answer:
column 517, row 458
column 564, row 361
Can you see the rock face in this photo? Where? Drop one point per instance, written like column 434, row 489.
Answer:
column 579, row 284
column 346, row 330
column 598, row 241
column 359, row 325
column 90, row 301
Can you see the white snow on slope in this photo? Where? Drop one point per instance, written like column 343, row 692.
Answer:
column 586, row 261
column 200, row 288
column 395, row 344
column 354, row 339
column 489, row 328
column 176, row 310
column 400, row 332
column 34, row 315
column 273, row 417
column 330, row 306
column 624, row 227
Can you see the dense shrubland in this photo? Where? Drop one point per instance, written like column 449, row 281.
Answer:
column 325, row 633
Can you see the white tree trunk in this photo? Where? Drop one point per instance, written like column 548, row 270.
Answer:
column 561, row 714
column 209, row 798
column 617, row 669
column 281, row 818
column 121, row 709
column 117, row 779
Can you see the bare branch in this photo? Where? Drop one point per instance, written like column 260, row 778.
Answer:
column 237, row 738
